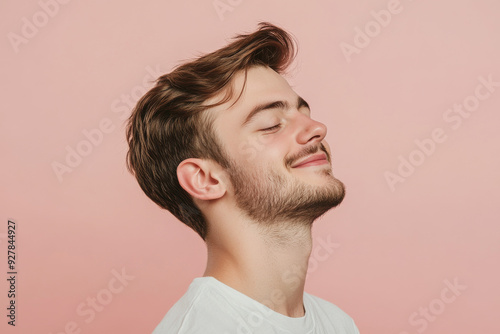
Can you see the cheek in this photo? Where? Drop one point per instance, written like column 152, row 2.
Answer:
column 262, row 149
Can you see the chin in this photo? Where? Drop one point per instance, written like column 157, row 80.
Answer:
column 319, row 176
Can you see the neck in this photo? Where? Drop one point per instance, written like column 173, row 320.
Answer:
column 268, row 265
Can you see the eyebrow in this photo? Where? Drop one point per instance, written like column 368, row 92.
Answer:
column 273, row 105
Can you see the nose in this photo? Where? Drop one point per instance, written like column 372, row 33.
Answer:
column 309, row 130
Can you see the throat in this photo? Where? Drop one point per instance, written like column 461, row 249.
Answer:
column 270, row 268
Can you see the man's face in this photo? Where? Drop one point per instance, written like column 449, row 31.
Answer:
column 279, row 162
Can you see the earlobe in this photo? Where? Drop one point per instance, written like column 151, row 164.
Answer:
column 200, row 178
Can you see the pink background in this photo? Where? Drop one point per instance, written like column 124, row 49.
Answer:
column 395, row 248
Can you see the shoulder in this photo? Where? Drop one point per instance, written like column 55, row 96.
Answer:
column 199, row 309
column 327, row 312
column 322, row 304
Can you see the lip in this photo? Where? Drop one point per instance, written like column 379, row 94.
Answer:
column 313, row 160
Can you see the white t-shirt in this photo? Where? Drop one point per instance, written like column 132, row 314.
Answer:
column 211, row 307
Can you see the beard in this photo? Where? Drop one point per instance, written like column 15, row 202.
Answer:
column 271, row 197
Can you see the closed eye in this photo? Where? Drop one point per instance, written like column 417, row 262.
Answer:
column 272, row 128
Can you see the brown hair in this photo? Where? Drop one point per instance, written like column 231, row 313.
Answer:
column 167, row 125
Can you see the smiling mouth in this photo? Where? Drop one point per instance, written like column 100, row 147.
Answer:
column 313, row 160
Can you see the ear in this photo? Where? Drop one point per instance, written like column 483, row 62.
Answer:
column 201, row 178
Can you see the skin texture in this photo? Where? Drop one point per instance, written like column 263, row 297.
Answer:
column 261, row 209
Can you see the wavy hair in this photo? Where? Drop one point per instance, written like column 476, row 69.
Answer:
column 168, row 124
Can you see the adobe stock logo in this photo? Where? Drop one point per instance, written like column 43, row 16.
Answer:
column 30, row 27
column 252, row 146
column 428, row 146
column 223, row 6
column 94, row 137
column 98, row 302
column 427, row 314
column 363, row 36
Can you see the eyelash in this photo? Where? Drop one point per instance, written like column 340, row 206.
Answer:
column 277, row 126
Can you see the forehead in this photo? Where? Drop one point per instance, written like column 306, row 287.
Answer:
column 263, row 84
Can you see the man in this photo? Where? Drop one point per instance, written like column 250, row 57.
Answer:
column 226, row 145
